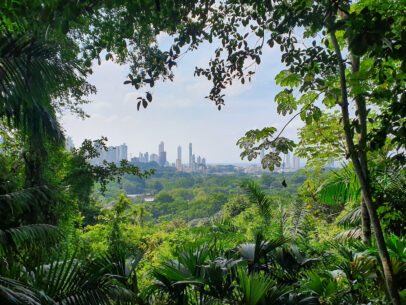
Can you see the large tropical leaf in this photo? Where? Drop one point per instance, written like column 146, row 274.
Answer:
column 253, row 287
column 23, row 200
column 351, row 219
column 340, row 187
column 24, row 236
column 16, row 293
column 32, row 74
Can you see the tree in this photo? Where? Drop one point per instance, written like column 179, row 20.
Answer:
column 164, row 197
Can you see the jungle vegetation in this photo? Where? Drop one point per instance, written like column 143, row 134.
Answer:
column 70, row 235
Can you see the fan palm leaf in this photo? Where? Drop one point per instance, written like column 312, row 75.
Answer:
column 253, row 287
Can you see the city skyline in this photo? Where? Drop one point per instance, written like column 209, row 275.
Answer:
column 117, row 153
column 179, row 113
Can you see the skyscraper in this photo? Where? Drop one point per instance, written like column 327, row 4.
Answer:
column 190, row 156
column 122, row 152
column 162, row 158
column 287, row 160
column 154, row 158
column 262, row 153
column 162, row 154
column 180, row 153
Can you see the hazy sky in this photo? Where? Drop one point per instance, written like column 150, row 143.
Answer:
column 179, row 113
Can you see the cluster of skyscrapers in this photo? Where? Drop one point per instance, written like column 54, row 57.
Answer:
column 113, row 154
column 195, row 163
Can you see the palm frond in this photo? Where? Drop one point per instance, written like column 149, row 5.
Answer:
column 299, row 215
column 16, row 293
column 24, row 236
column 351, row 219
column 351, row 234
column 253, row 287
column 258, row 197
column 340, row 187
column 23, row 200
column 32, row 73
column 69, row 280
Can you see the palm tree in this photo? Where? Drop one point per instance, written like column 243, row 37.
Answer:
column 342, row 187
column 33, row 75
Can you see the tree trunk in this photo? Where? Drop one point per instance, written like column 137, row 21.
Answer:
column 366, row 222
column 362, row 144
column 359, row 159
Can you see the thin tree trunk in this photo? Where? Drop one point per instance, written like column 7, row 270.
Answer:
column 366, row 222
column 362, row 143
column 361, row 170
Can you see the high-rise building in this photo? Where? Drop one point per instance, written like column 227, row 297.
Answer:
column 204, row 161
column 287, row 160
column 146, row 157
column 262, row 153
column 154, row 158
column 162, row 154
column 162, row 158
column 178, row 165
column 122, row 152
column 111, row 154
column 190, row 156
column 199, row 160
column 180, row 153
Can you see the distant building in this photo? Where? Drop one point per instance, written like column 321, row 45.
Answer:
column 180, row 153
column 162, row 158
column 178, row 165
column 68, row 143
column 190, row 156
column 162, row 154
column 262, row 154
column 204, row 161
column 135, row 160
column 154, row 158
column 122, row 152
column 114, row 154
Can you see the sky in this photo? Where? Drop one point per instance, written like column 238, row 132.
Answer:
column 179, row 114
